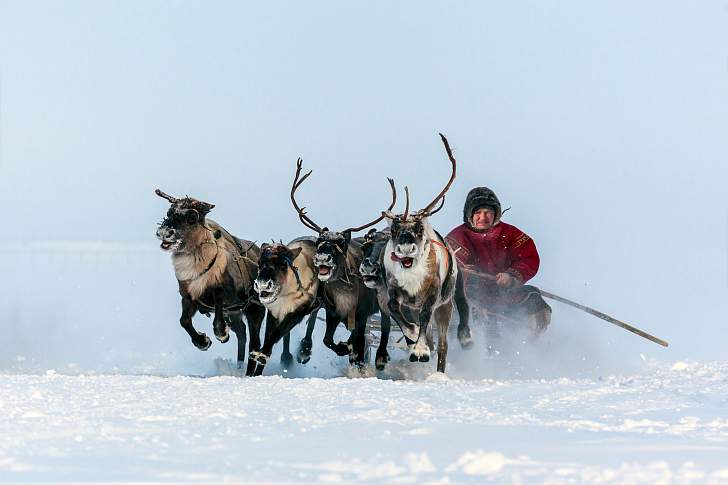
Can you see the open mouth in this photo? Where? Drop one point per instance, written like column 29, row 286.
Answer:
column 370, row 281
column 168, row 245
column 407, row 262
column 324, row 272
column 266, row 297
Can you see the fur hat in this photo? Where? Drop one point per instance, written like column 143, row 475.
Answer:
column 478, row 198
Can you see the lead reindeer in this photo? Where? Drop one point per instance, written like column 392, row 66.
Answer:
column 214, row 270
column 345, row 296
column 422, row 274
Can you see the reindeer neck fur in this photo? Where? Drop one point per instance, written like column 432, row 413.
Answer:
column 192, row 265
column 422, row 273
column 292, row 297
column 344, row 291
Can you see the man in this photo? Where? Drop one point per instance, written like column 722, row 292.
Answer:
column 506, row 256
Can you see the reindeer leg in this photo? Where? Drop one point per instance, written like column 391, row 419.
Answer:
column 254, row 315
column 358, row 340
column 442, row 317
column 332, row 321
column 273, row 333
column 238, row 326
column 286, row 356
column 219, row 325
column 395, row 311
column 421, row 351
column 257, row 358
column 199, row 339
column 382, row 354
column 464, row 337
column 304, row 350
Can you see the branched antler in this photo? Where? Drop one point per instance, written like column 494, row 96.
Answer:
column 442, row 203
column 394, row 200
column 301, row 211
column 426, row 211
column 165, row 196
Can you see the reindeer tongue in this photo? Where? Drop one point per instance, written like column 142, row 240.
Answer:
column 324, row 270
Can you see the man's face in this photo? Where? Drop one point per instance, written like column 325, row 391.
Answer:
column 483, row 218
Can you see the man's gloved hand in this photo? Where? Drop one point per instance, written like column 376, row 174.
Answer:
column 504, row 280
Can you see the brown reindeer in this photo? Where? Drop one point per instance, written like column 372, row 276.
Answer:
column 214, row 270
column 345, row 297
column 287, row 286
column 422, row 275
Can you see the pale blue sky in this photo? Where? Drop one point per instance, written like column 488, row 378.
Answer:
column 603, row 124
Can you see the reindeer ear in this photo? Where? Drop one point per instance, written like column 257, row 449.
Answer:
column 295, row 252
column 204, row 207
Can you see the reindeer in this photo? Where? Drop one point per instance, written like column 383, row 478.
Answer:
column 287, row 286
column 214, row 270
column 422, row 274
column 374, row 276
column 345, row 297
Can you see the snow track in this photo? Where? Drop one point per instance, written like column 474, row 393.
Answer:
column 666, row 424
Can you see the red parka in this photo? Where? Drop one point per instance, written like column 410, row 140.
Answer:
column 501, row 249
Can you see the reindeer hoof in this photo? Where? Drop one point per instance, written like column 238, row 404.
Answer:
column 223, row 338
column 342, row 349
column 381, row 361
column 256, row 363
column 203, row 342
column 420, row 352
column 304, row 351
column 287, row 360
column 466, row 341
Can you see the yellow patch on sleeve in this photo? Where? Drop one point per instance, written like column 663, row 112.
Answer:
column 522, row 239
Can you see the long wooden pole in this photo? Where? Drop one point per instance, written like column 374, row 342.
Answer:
column 587, row 309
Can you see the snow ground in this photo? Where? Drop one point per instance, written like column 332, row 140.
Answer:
column 100, row 384
column 665, row 424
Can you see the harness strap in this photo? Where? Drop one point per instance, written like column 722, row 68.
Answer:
column 290, row 264
column 209, row 266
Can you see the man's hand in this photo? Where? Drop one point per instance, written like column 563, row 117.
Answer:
column 504, row 280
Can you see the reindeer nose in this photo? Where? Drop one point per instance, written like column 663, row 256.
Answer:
column 259, row 286
column 322, row 258
column 407, row 249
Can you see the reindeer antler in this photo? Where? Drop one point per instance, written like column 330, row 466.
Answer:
column 426, row 211
column 165, row 196
column 442, row 203
column 406, row 207
column 301, row 211
column 394, row 200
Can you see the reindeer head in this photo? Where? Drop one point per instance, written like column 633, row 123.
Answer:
column 410, row 231
column 370, row 268
column 183, row 217
column 275, row 266
column 331, row 246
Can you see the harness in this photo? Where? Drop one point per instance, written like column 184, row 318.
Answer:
column 243, row 271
